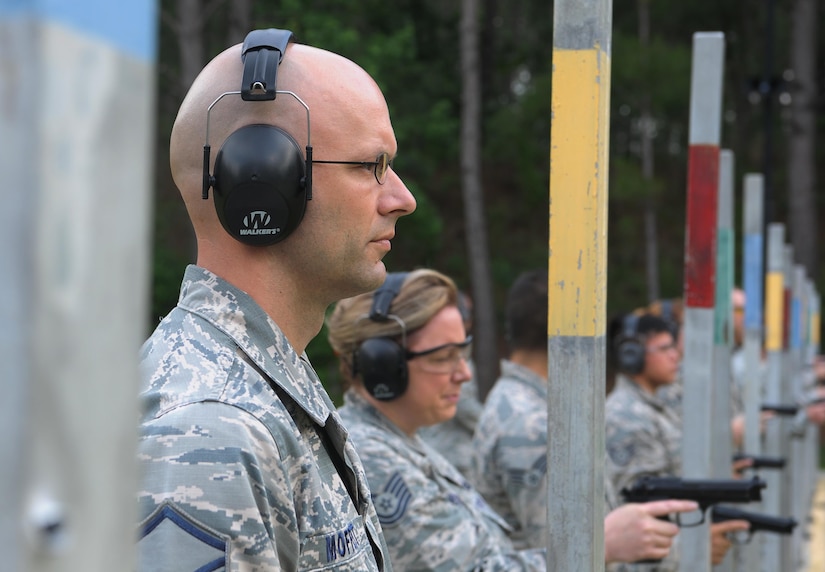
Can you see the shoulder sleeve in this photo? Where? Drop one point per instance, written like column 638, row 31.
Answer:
column 634, row 447
column 212, row 487
column 429, row 522
column 510, row 469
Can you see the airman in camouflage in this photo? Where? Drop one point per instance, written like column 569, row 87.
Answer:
column 232, row 453
column 510, row 443
column 643, row 433
column 431, row 516
column 244, row 462
column 403, row 352
column 510, row 453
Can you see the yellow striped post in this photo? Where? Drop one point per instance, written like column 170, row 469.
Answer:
column 774, row 343
column 577, row 283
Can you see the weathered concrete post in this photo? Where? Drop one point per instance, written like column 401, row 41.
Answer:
column 76, row 117
column 577, row 284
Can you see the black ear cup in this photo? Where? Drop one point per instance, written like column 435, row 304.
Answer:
column 262, row 181
column 383, row 367
column 260, row 193
column 628, row 349
column 382, row 362
column 669, row 316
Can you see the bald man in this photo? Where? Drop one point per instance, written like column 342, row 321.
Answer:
column 244, row 462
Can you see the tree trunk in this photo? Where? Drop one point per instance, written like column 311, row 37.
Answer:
column 647, row 132
column 240, row 21
column 189, row 26
column 802, row 138
column 485, row 346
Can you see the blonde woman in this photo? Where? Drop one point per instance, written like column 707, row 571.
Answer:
column 403, row 352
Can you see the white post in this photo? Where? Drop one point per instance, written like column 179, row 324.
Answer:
column 797, row 492
column 787, row 397
column 754, row 387
column 77, row 90
column 774, row 317
column 721, row 405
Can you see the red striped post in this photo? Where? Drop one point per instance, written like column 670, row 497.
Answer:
column 700, row 273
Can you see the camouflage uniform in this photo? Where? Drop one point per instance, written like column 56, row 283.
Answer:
column 510, row 453
column 643, row 437
column 453, row 438
column 672, row 395
column 431, row 516
column 239, row 445
column 739, row 370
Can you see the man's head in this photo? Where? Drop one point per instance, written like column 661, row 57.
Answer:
column 525, row 317
column 644, row 348
column 337, row 248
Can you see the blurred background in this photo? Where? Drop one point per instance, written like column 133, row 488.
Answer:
column 773, row 82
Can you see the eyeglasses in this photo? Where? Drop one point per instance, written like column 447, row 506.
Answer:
column 671, row 347
column 380, row 166
column 443, row 359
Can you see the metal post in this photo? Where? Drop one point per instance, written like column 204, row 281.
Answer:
column 753, row 391
column 774, row 310
column 721, row 405
column 577, row 267
column 700, row 274
column 77, row 92
column 796, row 476
column 811, row 352
column 786, row 396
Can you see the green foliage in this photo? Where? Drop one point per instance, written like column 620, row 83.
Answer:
column 167, row 273
column 411, row 47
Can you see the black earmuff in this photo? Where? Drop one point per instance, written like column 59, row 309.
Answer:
column 262, row 181
column 259, row 195
column 628, row 349
column 669, row 316
column 382, row 362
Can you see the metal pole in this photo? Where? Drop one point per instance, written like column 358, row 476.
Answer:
column 16, row 272
column 753, row 391
column 721, row 406
column 577, row 266
column 77, row 93
column 796, row 489
column 774, row 310
column 811, row 351
column 700, row 274
column 786, row 396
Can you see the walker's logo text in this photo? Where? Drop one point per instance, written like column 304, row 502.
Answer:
column 255, row 224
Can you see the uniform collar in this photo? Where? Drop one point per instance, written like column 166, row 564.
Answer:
column 259, row 339
column 370, row 414
column 624, row 383
column 524, row 376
